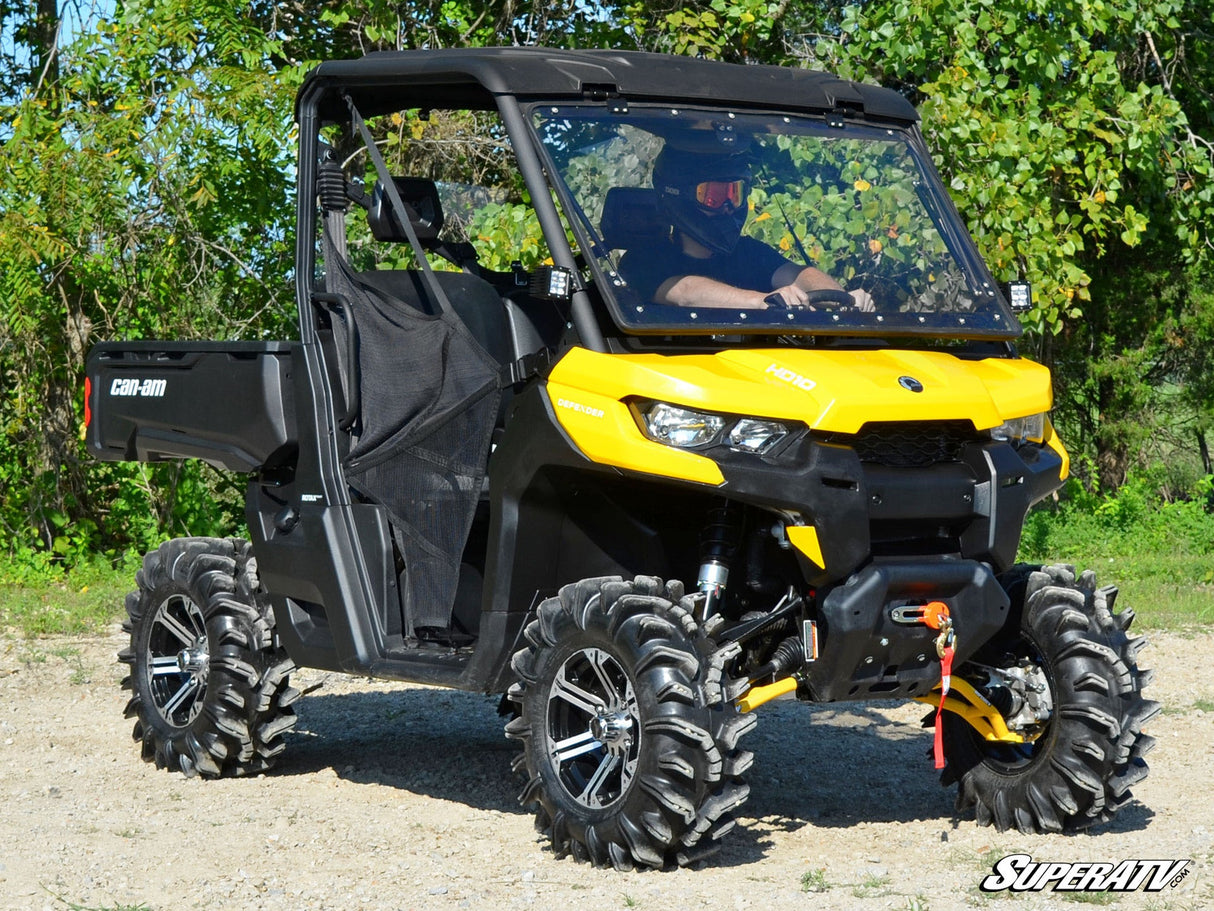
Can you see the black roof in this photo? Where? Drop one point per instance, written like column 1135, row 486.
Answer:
column 472, row 77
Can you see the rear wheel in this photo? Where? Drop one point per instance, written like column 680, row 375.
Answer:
column 628, row 745
column 209, row 683
column 1069, row 679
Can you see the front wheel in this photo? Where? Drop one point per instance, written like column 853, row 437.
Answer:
column 629, row 747
column 1069, row 680
column 209, row 683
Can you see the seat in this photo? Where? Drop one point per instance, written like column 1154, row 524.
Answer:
column 632, row 218
column 473, row 299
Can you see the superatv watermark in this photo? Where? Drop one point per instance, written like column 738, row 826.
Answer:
column 1020, row 873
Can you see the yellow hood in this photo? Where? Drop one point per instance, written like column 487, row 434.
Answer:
column 830, row 390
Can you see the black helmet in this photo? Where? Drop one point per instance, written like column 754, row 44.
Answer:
column 704, row 194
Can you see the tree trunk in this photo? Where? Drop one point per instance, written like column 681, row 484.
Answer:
column 46, row 40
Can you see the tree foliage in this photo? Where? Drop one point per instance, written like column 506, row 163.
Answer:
column 1076, row 141
column 147, row 192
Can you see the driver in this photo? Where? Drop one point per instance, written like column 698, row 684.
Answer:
column 706, row 261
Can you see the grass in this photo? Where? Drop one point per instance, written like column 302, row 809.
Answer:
column 1159, row 601
column 83, row 601
column 872, row 886
column 1086, row 898
column 1159, row 554
column 75, row 906
column 814, row 881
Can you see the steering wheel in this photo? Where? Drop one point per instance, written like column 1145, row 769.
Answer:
column 818, row 296
column 831, row 296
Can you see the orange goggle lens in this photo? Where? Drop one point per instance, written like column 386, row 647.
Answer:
column 713, row 194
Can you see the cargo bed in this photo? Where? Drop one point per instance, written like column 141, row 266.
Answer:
column 227, row 403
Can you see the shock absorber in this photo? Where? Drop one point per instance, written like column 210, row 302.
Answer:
column 718, row 546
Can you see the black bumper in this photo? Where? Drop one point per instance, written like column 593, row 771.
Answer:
column 865, row 653
column 972, row 508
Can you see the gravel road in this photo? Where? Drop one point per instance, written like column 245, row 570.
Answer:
column 398, row 797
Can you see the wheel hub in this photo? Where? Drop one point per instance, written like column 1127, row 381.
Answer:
column 1022, row 695
column 196, row 659
column 594, row 728
column 612, row 729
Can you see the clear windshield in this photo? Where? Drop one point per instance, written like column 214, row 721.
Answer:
column 759, row 222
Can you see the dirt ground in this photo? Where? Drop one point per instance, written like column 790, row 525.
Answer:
column 398, row 797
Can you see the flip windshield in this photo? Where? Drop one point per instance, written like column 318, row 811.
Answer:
column 755, row 203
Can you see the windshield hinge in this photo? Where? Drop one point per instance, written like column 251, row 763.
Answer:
column 605, row 92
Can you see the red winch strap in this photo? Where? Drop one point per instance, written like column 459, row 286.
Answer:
column 946, row 674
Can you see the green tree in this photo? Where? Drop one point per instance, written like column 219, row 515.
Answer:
column 1075, row 140
column 146, row 194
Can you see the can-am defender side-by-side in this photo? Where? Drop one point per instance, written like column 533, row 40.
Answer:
column 751, row 425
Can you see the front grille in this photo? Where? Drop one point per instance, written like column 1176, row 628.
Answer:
column 908, row 445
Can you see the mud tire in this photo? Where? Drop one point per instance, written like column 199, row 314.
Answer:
column 1080, row 770
column 230, row 720
column 686, row 778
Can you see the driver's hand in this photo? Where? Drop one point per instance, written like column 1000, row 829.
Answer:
column 793, row 296
column 863, row 300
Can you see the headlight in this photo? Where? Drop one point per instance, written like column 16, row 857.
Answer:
column 689, row 429
column 752, row 435
column 681, row 427
column 1017, row 430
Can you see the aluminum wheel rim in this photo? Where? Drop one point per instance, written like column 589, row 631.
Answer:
column 178, row 660
column 594, row 728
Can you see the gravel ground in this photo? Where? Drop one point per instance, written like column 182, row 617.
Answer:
column 396, row 797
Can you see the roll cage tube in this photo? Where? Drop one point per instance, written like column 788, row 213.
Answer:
column 523, row 140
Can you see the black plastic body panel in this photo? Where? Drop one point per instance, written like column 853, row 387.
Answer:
column 227, row 403
column 974, row 508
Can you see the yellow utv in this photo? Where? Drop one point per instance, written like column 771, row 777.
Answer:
column 739, row 415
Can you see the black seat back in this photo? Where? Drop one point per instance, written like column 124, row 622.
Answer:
column 632, row 218
column 474, row 299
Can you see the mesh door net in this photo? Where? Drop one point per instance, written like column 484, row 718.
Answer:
column 429, row 396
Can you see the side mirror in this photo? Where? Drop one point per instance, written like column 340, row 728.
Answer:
column 1019, row 295
column 420, row 197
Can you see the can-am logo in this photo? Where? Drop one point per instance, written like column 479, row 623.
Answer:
column 791, row 377
column 146, row 388
column 1020, row 873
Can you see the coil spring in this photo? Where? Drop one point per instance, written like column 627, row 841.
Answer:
column 719, row 539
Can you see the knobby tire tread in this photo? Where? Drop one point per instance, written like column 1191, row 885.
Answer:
column 1092, row 749
column 248, row 703
column 688, row 782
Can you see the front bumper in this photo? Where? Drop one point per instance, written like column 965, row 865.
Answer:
column 865, row 653
column 972, row 508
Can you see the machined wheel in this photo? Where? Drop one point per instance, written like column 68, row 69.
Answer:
column 176, row 655
column 629, row 748
column 1069, row 681
column 209, row 683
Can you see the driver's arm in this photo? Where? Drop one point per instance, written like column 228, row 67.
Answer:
column 792, row 285
column 700, row 291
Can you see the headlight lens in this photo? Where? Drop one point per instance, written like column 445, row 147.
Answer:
column 752, row 435
column 1018, row 430
column 681, row 427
